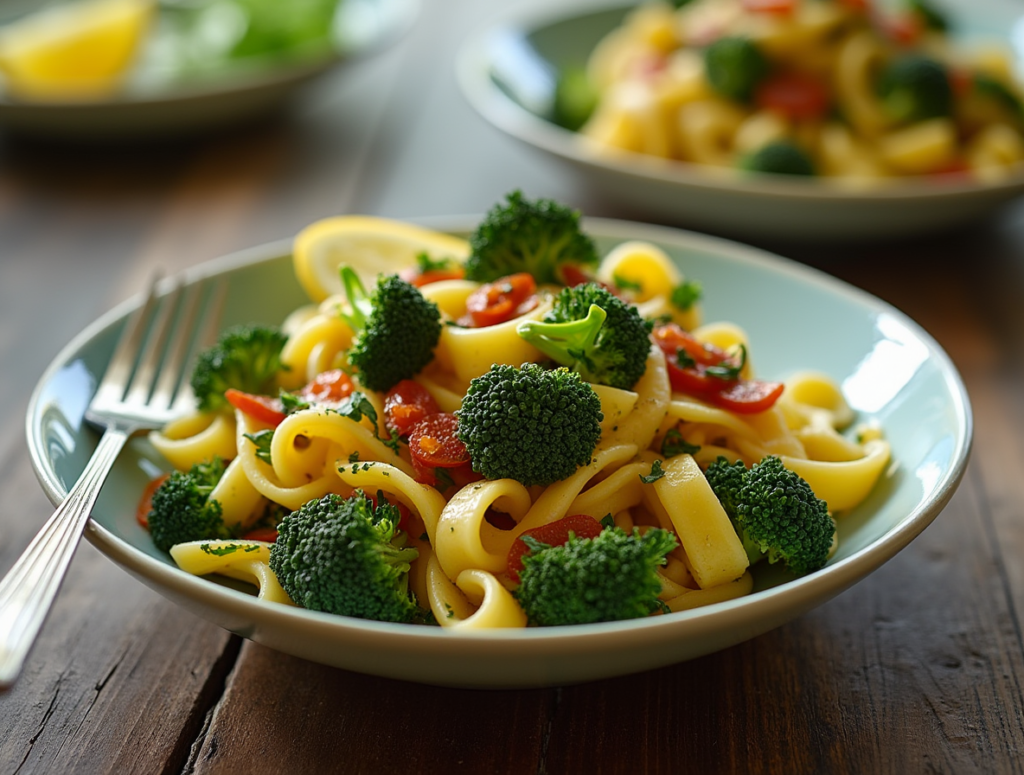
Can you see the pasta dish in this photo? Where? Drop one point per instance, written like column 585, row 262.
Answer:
column 844, row 89
column 507, row 431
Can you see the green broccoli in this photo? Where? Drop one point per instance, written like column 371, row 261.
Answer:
column 182, row 509
column 575, row 98
column 345, row 556
column 931, row 17
column 539, row 237
column 595, row 333
column 734, row 67
column 775, row 512
column 780, row 158
column 396, row 329
column 915, row 87
column 603, row 579
column 529, row 424
column 246, row 358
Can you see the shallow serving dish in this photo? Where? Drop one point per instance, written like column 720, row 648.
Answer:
column 891, row 370
column 507, row 71
column 154, row 104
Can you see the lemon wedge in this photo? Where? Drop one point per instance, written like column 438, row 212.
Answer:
column 371, row 246
column 78, row 51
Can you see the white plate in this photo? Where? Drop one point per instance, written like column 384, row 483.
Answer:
column 891, row 369
column 151, row 105
column 506, row 73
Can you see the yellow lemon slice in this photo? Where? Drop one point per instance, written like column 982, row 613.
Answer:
column 75, row 51
column 371, row 246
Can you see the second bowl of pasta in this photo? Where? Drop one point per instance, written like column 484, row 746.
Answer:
column 797, row 119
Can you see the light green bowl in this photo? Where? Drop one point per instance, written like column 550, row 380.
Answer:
column 797, row 318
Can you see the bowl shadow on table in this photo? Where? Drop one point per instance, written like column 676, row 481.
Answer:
column 106, row 170
column 826, row 251
column 686, row 712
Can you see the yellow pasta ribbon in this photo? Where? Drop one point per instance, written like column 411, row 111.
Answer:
column 195, row 438
column 424, row 501
column 247, row 561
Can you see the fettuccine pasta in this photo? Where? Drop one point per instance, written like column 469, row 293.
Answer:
column 851, row 92
column 646, row 471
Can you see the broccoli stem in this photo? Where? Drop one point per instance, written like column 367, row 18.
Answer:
column 569, row 343
column 357, row 297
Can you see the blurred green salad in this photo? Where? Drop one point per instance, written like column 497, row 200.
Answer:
column 89, row 49
column 196, row 38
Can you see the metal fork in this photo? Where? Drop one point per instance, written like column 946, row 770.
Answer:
column 145, row 386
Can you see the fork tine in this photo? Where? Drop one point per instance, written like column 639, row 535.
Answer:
column 151, row 354
column 29, row 588
column 206, row 335
column 171, row 375
column 111, row 387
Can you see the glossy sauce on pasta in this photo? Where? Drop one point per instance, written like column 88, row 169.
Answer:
column 462, row 570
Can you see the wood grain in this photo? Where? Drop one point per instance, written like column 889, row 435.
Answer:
column 917, row 669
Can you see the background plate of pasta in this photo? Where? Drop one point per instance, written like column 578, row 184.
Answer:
column 519, row 449
column 800, row 119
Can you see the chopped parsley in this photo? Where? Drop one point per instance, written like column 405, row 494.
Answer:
column 686, row 294
column 262, row 440
column 656, row 473
column 674, row 444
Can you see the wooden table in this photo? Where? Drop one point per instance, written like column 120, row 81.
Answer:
column 917, row 669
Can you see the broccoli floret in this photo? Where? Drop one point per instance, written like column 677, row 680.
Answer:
column 603, row 579
column 344, row 556
column 726, row 481
column 594, row 333
column 778, row 157
column 538, row 237
column 575, row 98
column 734, row 67
column 246, row 358
column 182, row 509
column 396, row 329
column 529, row 424
column 915, row 87
column 775, row 512
column 930, row 16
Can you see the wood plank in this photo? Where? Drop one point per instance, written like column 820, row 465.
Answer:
column 281, row 713
column 111, row 653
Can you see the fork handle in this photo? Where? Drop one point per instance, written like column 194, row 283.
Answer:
column 29, row 588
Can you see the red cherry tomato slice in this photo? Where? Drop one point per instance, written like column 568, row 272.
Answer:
column 266, row 534
column 434, row 442
column 328, row 387
column 796, row 95
column 748, row 396
column 671, row 338
column 553, row 534
column 572, row 276
column 781, row 7
column 145, row 504
column 263, row 408
column 459, row 475
column 500, row 301
column 743, row 396
column 406, row 404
